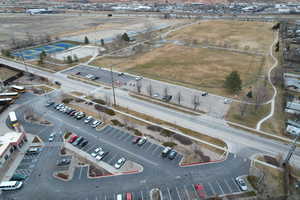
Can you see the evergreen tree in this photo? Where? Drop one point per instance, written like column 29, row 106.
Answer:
column 233, row 82
column 86, row 40
column 125, row 37
column 102, row 42
column 69, row 59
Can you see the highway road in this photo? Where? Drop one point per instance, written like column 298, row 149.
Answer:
column 239, row 141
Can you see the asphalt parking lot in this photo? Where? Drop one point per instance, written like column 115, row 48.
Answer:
column 174, row 181
column 104, row 75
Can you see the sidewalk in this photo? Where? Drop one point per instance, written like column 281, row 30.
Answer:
column 17, row 159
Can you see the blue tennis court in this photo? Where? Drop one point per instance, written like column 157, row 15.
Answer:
column 51, row 48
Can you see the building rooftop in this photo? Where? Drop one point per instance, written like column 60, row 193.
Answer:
column 10, row 137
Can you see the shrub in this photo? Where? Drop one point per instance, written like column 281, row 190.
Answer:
column 63, row 151
column 63, row 176
column 67, row 135
column 116, row 122
column 183, row 139
column 167, row 133
column 109, row 112
column 79, row 100
column 137, row 132
column 100, row 101
column 67, row 100
column 169, row 144
column 154, row 128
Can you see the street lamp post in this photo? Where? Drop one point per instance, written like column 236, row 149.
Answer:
column 113, row 86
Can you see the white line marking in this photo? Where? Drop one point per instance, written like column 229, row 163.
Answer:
column 142, row 195
column 220, row 187
column 155, row 149
column 178, row 193
column 228, row 186
column 212, row 189
column 79, row 176
column 169, row 193
column 236, row 185
column 186, row 192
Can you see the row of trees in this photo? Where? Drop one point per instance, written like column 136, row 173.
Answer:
column 29, row 40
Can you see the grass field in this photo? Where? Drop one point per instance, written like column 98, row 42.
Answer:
column 6, row 73
column 237, row 34
column 191, row 67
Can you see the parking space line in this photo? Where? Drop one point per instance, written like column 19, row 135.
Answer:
column 155, row 149
column 112, row 158
column 220, row 187
column 93, row 146
column 178, row 193
column 212, row 189
column 169, row 193
column 149, row 147
column 142, row 195
column 236, row 184
column 186, row 191
column 227, row 185
column 79, row 176
column 126, row 136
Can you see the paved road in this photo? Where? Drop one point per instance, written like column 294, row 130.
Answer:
column 241, row 142
column 175, row 182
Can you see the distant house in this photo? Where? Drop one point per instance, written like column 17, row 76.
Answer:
column 292, row 82
column 293, row 130
column 292, row 107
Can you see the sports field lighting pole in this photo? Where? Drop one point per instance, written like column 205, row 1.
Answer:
column 26, row 68
column 113, row 86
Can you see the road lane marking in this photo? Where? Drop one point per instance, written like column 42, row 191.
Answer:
column 169, row 193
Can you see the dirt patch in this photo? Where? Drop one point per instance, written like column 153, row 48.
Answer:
column 97, row 171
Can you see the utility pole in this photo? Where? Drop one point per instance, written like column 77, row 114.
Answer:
column 113, row 86
column 26, row 68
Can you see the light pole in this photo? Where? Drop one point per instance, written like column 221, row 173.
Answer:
column 26, row 68
column 113, row 86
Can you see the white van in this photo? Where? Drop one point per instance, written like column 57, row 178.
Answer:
column 119, row 197
column 10, row 185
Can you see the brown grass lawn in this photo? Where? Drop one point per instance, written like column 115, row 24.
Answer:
column 6, row 73
column 251, row 116
column 191, row 67
column 256, row 35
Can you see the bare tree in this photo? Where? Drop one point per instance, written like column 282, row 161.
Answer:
column 196, row 102
column 261, row 95
column 277, row 77
column 29, row 38
column 166, row 92
column 179, row 97
column 150, row 90
column 243, row 107
column 149, row 27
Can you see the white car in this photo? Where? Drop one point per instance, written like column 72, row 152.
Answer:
column 241, row 183
column 120, row 162
column 96, row 123
column 88, row 119
column 93, row 154
column 98, row 149
column 227, row 101
column 51, row 137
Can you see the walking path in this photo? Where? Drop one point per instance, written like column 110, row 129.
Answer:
column 273, row 100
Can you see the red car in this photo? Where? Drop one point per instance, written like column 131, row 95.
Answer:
column 128, row 196
column 73, row 138
column 200, row 190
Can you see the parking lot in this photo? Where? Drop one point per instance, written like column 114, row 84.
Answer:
column 175, row 182
column 103, row 75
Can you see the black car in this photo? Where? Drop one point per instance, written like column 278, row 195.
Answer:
column 49, row 103
column 204, row 94
column 63, row 161
column 84, row 143
column 80, row 140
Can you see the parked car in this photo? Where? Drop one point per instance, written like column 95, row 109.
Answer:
column 142, row 141
column 51, row 137
column 136, row 139
column 241, row 183
column 88, row 119
column 18, row 177
column 200, row 190
column 57, row 83
column 166, row 151
column 172, row 154
column 128, row 196
column 84, row 143
column 227, row 101
column 73, row 113
column 96, row 123
column 204, row 94
column 121, row 73
column 32, row 150
column 101, row 155
column 80, row 141
column 80, row 116
column 73, row 138
column 119, row 197
column 120, row 162
column 76, row 142
column 64, row 161
column 49, row 103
